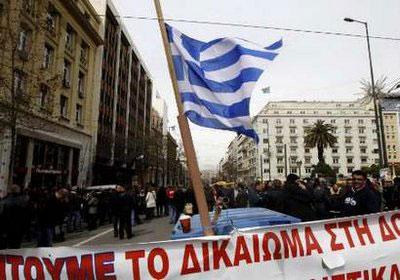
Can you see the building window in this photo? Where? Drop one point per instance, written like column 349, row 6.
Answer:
column 302, row 112
column 84, row 53
column 364, row 160
column 278, row 121
column 329, row 113
column 361, row 130
column 289, row 112
column 334, row 150
column 293, row 149
column 363, row 150
column 348, row 140
column 78, row 116
column 292, row 130
column 51, row 19
column 305, row 121
column 346, row 121
column 279, row 150
column 349, row 160
column 67, row 74
column 333, row 121
column 293, row 140
column 47, row 56
column 350, row 169
column 278, row 130
column 280, row 170
column 291, row 121
column 308, row 170
column 69, row 38
column 307, row 150
column 349, row 150
column 265, row 170
column 19, row 82
column 360, row 121
column 307, row 160
column 23, row 41
column 265, row 140
column 279, row 160
column 63, row 106
column 315, row 112
column 335, row 160
column 347, row 130
column 264, row 130
column 81, row 85
column 265, row 121
column 43, row 96
column 362, row 140
column 293, row 170
column 279, row 140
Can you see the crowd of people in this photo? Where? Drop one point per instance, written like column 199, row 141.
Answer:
column 43, row 215
column 316, row 199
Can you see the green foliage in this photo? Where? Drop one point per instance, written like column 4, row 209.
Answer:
column 373, row 170
column 320, row 135
column 323, row 170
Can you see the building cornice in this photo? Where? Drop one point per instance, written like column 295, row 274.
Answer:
column 71, row 7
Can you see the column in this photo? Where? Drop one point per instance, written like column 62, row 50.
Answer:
column 70, row 161
column 29, row 161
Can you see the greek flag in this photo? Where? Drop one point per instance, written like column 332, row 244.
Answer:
column 216, row 78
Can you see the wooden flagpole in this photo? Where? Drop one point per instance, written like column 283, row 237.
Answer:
column 185, row 132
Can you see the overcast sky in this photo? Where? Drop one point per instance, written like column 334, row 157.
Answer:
column 309, row 67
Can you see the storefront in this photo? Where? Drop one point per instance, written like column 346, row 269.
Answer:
column 40, row 163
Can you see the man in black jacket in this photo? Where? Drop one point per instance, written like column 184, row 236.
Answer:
column 297, row 199
column 360, row 199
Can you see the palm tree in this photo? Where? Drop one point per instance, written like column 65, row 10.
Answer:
column 367, row 95
column 320, row 135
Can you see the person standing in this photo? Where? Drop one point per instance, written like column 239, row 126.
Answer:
column 161, row 201
column 361, row 198
column 150, row 203
column 93, row 203
column 170, row 201
column 14, row 216
column 125, row 206
column 297, row 199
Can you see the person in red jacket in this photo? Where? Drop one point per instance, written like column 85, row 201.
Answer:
column 170, row 193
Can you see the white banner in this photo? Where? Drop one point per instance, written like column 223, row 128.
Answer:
column 364, row 247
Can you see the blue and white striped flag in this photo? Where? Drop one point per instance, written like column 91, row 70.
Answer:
column 216, row 79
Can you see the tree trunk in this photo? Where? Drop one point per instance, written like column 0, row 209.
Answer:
column 13, row 139
column 320, row 154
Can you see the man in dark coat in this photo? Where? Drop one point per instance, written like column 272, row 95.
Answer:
column 125, row 206
column 258, row 196
column 14, row 207
column 360, row 199
column 179, row 202
column 161, row 201
column 297, row 199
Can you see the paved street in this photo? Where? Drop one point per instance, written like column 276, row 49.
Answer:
column 156, row 230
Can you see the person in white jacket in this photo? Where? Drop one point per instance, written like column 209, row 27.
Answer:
column 150, row 203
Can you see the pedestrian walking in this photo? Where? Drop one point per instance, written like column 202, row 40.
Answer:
column 150, row 203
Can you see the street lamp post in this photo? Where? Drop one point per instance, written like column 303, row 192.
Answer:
column 377, row 110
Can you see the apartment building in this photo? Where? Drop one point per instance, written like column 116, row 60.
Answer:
column 124, row 115
column 391, row 126
column 281, row 150
column 50, row 54
column 281, row 127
